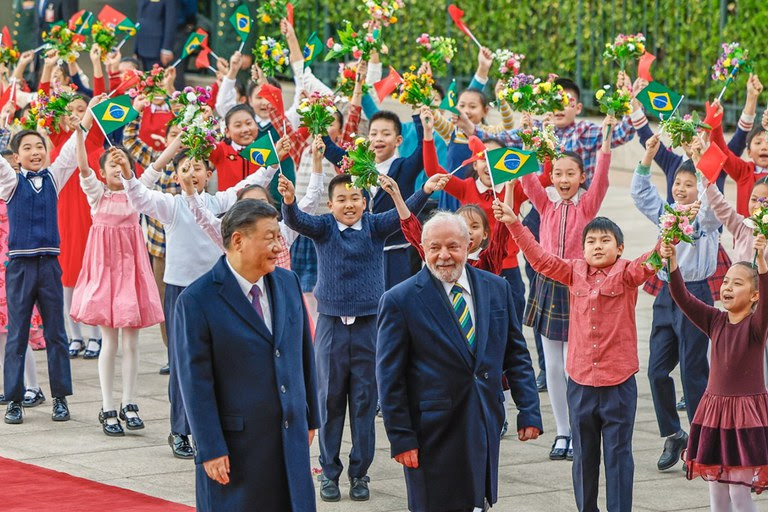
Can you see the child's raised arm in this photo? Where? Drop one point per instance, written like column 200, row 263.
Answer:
column 82, row 153
column 609, row 124
column 759, row 320
column 643, row 192
column 698, row 313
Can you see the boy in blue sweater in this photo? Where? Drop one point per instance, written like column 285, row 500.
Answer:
column 350, row 281
column 385, row 135
column 33, row 274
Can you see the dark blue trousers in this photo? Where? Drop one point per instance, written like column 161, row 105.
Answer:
column 29, row 281
column 606, row 413
column 674, row 339
column 179, row 423
column 345, row 357
column 533, row 222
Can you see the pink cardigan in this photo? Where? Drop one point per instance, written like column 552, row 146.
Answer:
column 743, row 237
column 560, row 238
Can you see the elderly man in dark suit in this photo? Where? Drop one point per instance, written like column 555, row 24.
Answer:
column 246, row 367
column 445, row 336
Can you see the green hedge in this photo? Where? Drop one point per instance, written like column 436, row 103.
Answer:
column 567, row 36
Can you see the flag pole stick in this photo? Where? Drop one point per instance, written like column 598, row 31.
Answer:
column 279, row 167
column 242, row 45
column 730, row 79
column 87, row 19
column 41, row 47
column 213, row 69
column 455, row 170
column 176, row 63
column 490, row 175
column 214, row 54
column 96, row 120
column 473, row 38
column 11, row 98
column 127, row 36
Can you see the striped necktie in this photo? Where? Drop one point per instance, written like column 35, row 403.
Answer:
column 461, row 308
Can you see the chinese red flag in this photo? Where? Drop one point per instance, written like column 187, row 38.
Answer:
column 202, row 61
column 712, row 162
column 204, row 42
column 273, row 95
column 7, row 39
column 713, row 119
column 457, row 15
column 289, row 10
column 644, row 66
column 386, row 86
column 477, row 148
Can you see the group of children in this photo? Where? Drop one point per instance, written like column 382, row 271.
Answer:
column 78, row 253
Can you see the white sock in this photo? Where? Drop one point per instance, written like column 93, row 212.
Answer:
column 507, row 401
column 94, row 334
column 741, row 497
column 554, row 360
column 72, row 327
column 719, row 497
column 130, row 367
column 107, row 368
column 30, row 370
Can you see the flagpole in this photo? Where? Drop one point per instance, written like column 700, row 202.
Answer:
column 11, row 98
column 490, row 175
column 661, row 130
column 87, row 19
column 279, row 167
column 214, row 54
column 127, row 36
column 730, row 79
column 213, row 69
column 96, row 120
column 455, row 170
column 474, row 39
column 41, row 47
column 176, row 63
column 242, row 45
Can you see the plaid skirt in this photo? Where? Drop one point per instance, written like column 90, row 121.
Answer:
column 548, row 308
column 715, row 281
column 304, row 262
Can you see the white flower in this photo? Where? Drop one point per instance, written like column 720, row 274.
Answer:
column 337, row 47
column 765, row 219
column 750, row 223
column 191, row 96
column 330, row 109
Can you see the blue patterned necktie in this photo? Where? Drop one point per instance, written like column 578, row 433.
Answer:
column 461, row 308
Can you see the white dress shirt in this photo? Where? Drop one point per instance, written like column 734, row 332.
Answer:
column 382, row 168
column 466, row 292
column 246, row 286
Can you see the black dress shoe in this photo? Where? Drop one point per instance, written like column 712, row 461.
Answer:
column 92, row 354
column 541, row 381
column 672, row 449
column 559, row 453
column 329, row 489
column 33, row 401
column 75, row 347
column 134, row 422
column 110, row 429
column 504, row 428
column 3, row 400
column 60, row 409
column 165, row 370
column 359, row 489
column 13, row 414
column 180, row 446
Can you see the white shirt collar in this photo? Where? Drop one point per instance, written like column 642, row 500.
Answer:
column 483, row 189
column 237, row 147
column 474, row 255
column 463, row 282
column 555, row 197
column 244, row 284
column 383, row 167
column 357, row 226
column 261, row 121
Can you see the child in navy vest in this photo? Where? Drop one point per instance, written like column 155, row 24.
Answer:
column 33, row 274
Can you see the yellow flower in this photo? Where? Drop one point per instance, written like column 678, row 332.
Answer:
column 265, row 18
column 727, row 62
column 599, row 94
column 393, row 19
column 545, row 86
column 641, row 47
column 359, row 141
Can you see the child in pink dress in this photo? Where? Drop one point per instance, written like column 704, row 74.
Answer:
column 116, row 287
column 728, row 444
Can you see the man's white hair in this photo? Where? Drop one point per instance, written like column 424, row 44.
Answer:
column 443, row 217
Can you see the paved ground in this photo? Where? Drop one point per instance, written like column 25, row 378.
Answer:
column 528, row 481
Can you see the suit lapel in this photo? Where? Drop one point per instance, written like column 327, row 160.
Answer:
column 277, row 307
column 231, row 292
column 482, row 311
column 436, row 303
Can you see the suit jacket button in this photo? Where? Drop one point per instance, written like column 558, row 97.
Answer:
column 282, row 389
column 485, row 375
column 286, row 424
column 277, row 353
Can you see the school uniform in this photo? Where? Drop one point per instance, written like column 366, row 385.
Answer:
column 33, row 274
column 349, row 286
column 675, row 339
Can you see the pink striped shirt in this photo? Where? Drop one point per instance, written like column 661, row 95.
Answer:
column 562, row 222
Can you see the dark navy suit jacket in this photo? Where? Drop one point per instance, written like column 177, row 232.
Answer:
column 248, row 393
column 158, row 27
column 439, row 398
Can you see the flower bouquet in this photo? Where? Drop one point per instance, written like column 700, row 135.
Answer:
column 360, row 45
column 360, row 163
column 542, row 141
column 9, row 56
column 271, row 56
column 415, row 89
column 46, row 112
column 733, row 59
column 758, row 221
column 345, row 84
column 682, row 130
column 66, row 42
column 614, row 103
column 624, row 48
column 384, row 12
column 272, row 10
column 509, row 63
column 150, row 84
column 103, row 36
column 525, row 93
column 199, row 132
column 317, row 113
column 675, row 226
column 436, row 50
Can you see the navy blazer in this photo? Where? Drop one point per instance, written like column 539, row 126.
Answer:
column 158, row 27
column 455, row 421
column 403, row 170
column 248, row 393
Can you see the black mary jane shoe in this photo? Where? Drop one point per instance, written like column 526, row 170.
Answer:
column 3, row 400
column 75, row 347
column 569, row 453
column 60, row 410
column 134, row 422
column 180, row 446
column 92, row 354
column 110, row 429
column 559, row 453
column 33, row 398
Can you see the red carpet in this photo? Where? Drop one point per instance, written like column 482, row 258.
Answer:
column 28, row 488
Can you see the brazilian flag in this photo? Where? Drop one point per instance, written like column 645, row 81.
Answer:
column 114, row 113
column 194, row 41
column 241, row 20
column 312, row 49
column 80, row 22
column 506, row 164
column 451, row 99
column 261, row 152
column 659, row 100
